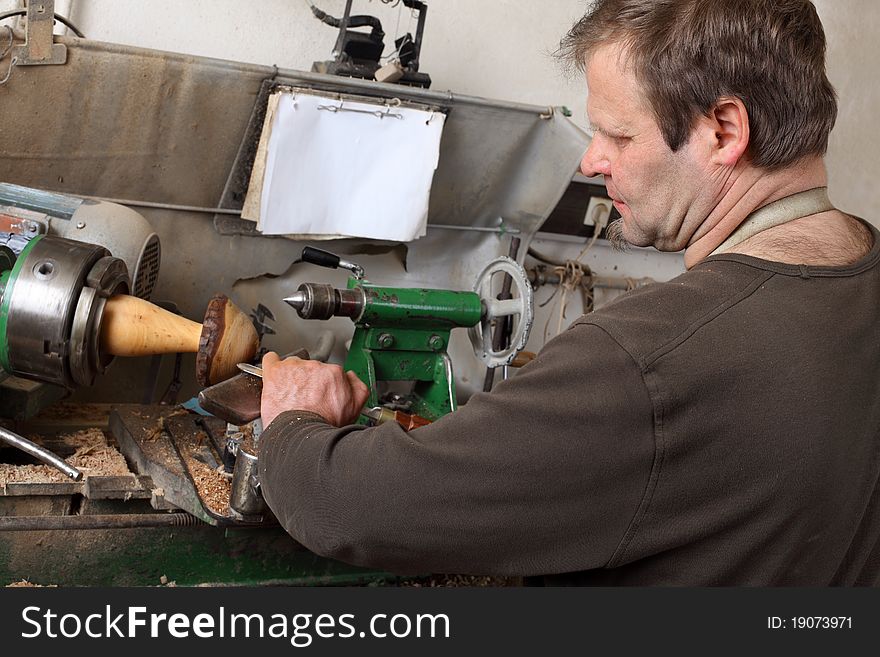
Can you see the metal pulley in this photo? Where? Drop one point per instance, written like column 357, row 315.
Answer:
column 520, row 309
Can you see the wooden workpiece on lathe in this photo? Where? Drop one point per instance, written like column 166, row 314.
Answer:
column 135, row 327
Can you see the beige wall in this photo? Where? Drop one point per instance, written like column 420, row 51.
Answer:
column 853, row 31
column 494, row 48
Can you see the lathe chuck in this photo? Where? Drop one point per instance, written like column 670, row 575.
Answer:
column 52, row 304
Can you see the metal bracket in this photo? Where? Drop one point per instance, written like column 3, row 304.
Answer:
column 39, row 47
column 259, row 315
column 19, row 221
column 19, row 226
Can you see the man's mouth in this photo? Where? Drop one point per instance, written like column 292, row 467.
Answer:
column 614, row 199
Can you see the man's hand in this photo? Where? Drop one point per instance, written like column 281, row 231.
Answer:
column 294, row 384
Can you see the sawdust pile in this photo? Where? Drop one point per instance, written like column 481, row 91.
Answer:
column 93, row 456
column 454, row 581
column 24, row 584
column 214, row 489
column 248, row 441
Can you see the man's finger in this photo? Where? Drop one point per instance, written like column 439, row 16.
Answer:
column 355, row 382
column 359, row 389
column 270, row 358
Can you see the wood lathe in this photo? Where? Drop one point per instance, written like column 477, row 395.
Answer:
column 65, row 313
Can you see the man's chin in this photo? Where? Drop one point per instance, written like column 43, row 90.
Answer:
column 622, row 238
column 614, row 235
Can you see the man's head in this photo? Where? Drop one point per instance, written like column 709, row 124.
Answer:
column 698, row 67
column 687, row 54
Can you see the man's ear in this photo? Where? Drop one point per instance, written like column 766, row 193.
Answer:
column 729, row 122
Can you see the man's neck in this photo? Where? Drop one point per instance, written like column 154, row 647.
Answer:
column 750, row 188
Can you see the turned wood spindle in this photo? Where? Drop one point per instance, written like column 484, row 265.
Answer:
column 135, row 327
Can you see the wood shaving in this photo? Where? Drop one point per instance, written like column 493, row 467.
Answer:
column 92, row 455
column 453, row 581
column 248, row 441
column 153, row 433
column 213, row 486
column 26, row 584
column 214, row 489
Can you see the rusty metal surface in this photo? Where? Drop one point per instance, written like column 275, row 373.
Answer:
column 39, row 49
column 166, row 444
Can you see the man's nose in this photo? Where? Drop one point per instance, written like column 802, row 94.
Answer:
column 595, row 162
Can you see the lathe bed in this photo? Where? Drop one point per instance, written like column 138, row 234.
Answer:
column 161, row 516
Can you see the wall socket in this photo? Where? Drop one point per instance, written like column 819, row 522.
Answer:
column 598, row 212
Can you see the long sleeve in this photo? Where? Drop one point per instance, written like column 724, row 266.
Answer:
column 543, row 475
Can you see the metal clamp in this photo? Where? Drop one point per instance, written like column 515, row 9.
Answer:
column 521, row 306
column 39, row 47
column 379, row 114
column 246, row 498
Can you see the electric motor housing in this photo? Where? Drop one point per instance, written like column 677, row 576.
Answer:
column 26, row 213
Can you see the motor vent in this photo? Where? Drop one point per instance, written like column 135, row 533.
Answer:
column 147, row 271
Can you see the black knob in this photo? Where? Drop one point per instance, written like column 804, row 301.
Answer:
column 320, row 258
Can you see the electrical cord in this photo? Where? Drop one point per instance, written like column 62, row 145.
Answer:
column 573, row 275
column 3, row 54
column 537, row 255
column 58, row 17
column 394, row 52
column 8, row 47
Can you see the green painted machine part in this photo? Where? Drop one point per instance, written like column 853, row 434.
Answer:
column 10, row 268
column 184, row 556
column 402, row 335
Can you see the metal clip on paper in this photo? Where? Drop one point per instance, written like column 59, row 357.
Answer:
column 379, row 114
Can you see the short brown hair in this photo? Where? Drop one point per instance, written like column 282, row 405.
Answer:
column 688, row 54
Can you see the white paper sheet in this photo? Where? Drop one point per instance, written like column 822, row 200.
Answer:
column 348, row 173
column 251, row 208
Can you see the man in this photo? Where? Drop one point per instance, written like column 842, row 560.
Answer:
column 719, row 429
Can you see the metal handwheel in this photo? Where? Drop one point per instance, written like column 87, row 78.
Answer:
column 520, row 308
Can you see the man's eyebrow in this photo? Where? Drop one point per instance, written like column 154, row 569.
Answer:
column 607, row 133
